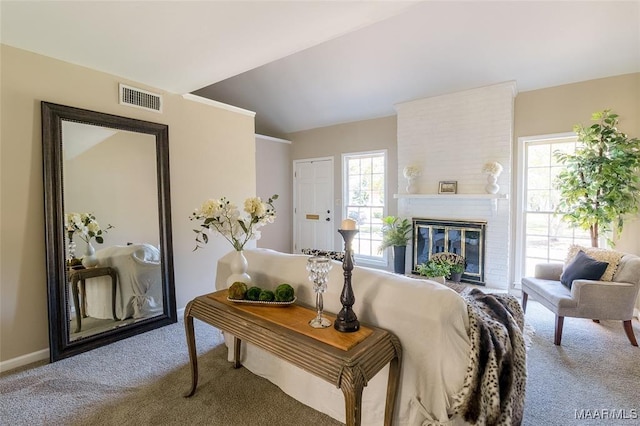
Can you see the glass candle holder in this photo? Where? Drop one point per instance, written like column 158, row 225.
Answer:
column 71, row 247
column 319, row 267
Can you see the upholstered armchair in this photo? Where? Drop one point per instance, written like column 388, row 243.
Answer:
column 587, row 298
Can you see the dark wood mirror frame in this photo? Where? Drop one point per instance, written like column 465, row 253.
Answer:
column 58, row 300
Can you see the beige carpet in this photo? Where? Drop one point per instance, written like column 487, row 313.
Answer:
column 140, row 381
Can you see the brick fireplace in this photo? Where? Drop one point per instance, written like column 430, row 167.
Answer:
column 451, row 137
column 465, row 238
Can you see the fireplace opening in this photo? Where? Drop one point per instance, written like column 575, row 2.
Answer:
column 466, row 238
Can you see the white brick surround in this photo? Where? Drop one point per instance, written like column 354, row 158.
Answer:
column 450, row 137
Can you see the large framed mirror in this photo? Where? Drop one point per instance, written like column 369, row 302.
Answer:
column 107, row 228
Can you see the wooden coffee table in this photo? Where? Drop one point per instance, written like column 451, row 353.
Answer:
column 347, row 360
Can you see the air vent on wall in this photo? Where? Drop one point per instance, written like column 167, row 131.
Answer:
column 140, row 98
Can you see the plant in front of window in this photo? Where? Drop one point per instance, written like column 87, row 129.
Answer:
column 600, row 183
column 396, row 233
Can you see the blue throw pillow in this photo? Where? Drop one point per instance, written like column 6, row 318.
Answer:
column 582, row 267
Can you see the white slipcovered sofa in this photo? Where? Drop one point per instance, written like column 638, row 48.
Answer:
column 139, row 287
column 430, row 319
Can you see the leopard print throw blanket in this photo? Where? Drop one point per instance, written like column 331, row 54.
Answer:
column 494, row 386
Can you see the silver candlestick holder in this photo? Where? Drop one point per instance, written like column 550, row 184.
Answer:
column 319, row 267
column 347, row 321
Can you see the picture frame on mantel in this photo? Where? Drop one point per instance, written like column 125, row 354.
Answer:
column 448, row 187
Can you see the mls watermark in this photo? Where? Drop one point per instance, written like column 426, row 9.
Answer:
column 606, row 414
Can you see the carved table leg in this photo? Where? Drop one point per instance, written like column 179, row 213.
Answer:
column 237, row 344
column 191, row 345
column 114, row 285
column 352, row 386
column 83, row 292
column 76, row 304
column 392, row 389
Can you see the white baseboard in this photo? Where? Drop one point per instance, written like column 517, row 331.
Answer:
column 27, row 359
column 23, row 360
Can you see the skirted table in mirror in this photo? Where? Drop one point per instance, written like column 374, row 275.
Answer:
column 125, row 288
column 79, row 279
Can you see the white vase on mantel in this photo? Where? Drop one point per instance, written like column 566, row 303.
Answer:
column 492, row 187
column 412, row 186
column 239, row 267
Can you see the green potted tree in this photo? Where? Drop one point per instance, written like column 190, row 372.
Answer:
column 396, row 233
column 599, row 186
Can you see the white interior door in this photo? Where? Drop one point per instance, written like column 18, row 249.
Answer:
column 313, row 204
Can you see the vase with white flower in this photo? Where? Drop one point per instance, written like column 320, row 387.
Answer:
column 222, row 217
column 493, row 170
column 411, row 174
column 87, row 228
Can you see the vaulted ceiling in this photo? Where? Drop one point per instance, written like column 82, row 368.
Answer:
column 306, row 64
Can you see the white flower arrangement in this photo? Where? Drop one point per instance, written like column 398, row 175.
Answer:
column 223, row 217
column 411, row 172
column 493, row 168
column 85, row 225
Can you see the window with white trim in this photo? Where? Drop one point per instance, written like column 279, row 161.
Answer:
column 542, row 235
column 364, row 193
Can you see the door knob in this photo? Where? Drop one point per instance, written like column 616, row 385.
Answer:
column 328, row 219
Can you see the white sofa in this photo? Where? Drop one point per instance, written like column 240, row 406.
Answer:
column 430, row 319
column 139, row 289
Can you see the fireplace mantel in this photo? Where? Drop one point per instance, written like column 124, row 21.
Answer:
column 492, row 198
column 455, row 196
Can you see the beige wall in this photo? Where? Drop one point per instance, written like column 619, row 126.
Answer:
column 333, row 141
column 558, row 109
column 202, row 140
column 116, row 180
column 274, row 176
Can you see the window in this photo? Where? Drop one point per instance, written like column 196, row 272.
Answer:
column 364, row 184
column 543, row 236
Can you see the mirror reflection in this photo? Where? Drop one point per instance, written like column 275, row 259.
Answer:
column 111, row 222
column 107, row 228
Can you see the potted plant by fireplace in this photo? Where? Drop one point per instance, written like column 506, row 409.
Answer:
column 396, row 233
column 436, row 269
column 457, row 269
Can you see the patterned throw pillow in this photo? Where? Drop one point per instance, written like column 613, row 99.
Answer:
column 335, row 255
column 603, row 255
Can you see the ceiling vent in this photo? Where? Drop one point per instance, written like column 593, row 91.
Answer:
column 140, row 98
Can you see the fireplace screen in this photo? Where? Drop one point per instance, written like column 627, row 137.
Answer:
column 465, row 238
